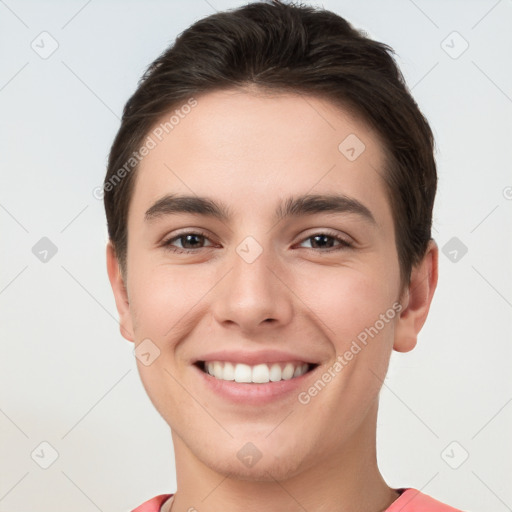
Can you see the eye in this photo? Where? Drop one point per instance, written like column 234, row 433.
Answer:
column 190, row 242
column 327, row 241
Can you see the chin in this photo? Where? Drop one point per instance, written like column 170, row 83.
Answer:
column 268, row 468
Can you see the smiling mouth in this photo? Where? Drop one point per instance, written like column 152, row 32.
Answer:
column 254, row 374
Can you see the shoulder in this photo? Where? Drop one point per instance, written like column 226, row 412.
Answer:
column 412, row 500
column 154, row 504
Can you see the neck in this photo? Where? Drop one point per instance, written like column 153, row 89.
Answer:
column 345, row 478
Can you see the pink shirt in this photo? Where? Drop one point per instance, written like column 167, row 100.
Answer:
column 410, row 500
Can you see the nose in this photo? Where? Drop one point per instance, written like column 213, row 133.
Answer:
column 253, row 295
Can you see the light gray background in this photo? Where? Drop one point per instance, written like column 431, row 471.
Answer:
column 69, row 378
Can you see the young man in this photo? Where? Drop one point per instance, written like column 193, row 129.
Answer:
column 269, row 199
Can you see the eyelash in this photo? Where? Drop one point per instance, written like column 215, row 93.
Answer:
column 343, row 244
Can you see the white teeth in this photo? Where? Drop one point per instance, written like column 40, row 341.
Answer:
column 275, row 372
column 242, row 373
column 229, row 371
column 297, row 372
column 288, row 372
column 258, row 374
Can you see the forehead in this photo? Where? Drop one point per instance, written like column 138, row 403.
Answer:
column 247, row 149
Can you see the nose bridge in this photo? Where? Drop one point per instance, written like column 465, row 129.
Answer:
column 252, row 293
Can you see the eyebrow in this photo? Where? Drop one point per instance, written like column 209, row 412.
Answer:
column 309, row 204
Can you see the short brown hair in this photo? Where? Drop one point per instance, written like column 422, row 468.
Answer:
column 297, row 49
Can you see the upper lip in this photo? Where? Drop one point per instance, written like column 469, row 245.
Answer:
column 253, row 358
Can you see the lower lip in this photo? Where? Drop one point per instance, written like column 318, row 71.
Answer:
column 256, row 394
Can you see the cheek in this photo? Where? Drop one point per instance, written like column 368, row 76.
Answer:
column 164, row 299
column 348, row 301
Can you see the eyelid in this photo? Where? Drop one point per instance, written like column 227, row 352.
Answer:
column 188, row 231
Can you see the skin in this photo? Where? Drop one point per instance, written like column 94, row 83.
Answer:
column 249, row 151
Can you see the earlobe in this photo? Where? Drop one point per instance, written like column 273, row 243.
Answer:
column 417, row 300
column 120, row 293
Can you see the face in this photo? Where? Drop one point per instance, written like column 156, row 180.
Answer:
column 257, row 267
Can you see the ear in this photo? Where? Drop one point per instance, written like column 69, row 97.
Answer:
column 416, row 300
column 120, row 293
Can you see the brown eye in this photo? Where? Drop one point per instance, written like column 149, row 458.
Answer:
column 188, row 242
column 327, row 242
